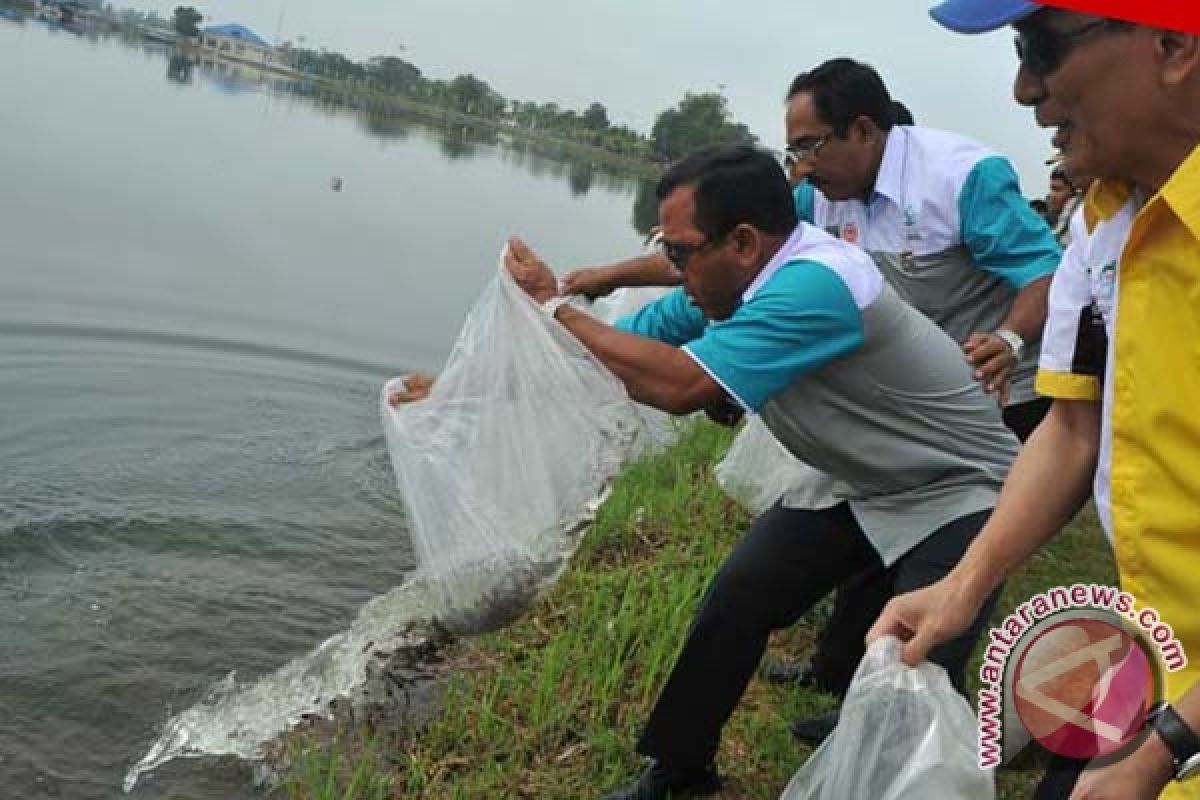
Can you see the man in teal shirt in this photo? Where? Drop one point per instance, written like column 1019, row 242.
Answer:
column 780, row 319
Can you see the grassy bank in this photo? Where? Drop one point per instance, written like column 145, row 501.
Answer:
column 551, row 707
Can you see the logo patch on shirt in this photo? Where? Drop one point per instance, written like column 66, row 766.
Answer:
column 850, row 232
column 1104, row 288
column 912, row 232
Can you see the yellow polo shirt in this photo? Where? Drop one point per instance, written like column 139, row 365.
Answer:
column 1124, row 330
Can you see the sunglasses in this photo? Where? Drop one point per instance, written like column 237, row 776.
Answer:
column 1043, row 50
column 678, row 254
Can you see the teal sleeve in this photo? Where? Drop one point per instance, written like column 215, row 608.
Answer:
column 1005, row 236
column 673, row 319
column 803, row 197
column 802, row 319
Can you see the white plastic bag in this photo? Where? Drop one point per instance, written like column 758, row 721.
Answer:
column 661, row 429
column 758, row 470
column 904, row 734
column 502, row 465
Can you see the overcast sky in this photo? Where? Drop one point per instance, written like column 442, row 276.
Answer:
column 638, row 57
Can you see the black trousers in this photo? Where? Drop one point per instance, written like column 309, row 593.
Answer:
column 860, row 600
column 786, row 562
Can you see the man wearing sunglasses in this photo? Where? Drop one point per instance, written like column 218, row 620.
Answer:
column 1119, row 357
column 947, row 223
column 790, row 323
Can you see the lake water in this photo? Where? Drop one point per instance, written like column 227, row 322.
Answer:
column 193, row 330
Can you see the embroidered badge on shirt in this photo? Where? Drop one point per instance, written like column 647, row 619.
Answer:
column 912, row 231
column 1104, row 288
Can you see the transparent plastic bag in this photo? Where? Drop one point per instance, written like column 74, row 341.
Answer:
column 758, row 470
column 503, row 463
column 904, row 734
column 662, row 429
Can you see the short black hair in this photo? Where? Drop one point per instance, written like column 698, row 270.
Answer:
column 1039, row 205
column 901, row 115
column 734, row 184
column 844, row 90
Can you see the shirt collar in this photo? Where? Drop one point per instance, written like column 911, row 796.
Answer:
column 1105, row 199
column 890, row 180
column 782, row 256
column 1182, row 192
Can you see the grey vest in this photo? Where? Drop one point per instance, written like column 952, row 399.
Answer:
column 954, row 292
column 907, row 433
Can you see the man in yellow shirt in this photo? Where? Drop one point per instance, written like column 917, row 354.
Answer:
column 1120, row 356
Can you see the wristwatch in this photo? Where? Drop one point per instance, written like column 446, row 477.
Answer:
column 1180, row 739
column 1013, row 340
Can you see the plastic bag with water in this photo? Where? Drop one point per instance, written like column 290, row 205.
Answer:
column 904, row 734
column 502, row 464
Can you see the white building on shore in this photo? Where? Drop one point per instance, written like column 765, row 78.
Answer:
column 238, row 43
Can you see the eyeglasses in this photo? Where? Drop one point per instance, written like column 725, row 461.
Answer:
column 678, row 254
column 1043, row 50
column 803, row 148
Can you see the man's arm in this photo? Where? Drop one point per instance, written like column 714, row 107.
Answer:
column 652, row 269
column 990, row 356
column 1145, row 773
column 654, row 373
column 1007, row 239
column 801, row 320
column 1050, row 481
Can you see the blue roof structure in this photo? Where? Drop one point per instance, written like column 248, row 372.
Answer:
column 235, row 31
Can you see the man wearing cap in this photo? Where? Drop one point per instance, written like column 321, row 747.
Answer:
column 1119, row 355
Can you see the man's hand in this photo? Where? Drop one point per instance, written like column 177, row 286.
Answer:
column 1141, row 775
column 993, row 361
column 927, row 617
column 726, row 412
column 417, row 386
column 529, row 271
column 592, row 282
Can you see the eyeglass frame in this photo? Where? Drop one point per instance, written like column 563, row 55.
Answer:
column 808, row 151
column 1059, row 43
column 679, row 254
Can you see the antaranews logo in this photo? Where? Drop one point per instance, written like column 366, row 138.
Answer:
column 1076, row 670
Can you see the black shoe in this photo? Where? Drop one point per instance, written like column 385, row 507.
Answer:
column 815, row 730
column 662, row 783
column 797, row 673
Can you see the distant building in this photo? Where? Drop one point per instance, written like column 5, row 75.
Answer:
column 238, row 43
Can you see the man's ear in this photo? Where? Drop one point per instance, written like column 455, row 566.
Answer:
column 746, row 241
column 1180, row 55
column 866, row 129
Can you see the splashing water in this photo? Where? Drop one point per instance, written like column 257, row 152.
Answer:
column 241, row 719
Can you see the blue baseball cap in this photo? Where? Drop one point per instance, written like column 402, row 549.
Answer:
column 980, row 16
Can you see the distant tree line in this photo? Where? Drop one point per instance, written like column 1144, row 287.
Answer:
column 698, row 120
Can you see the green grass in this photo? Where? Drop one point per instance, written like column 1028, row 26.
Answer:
column 551, row 707
column 334, row 773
